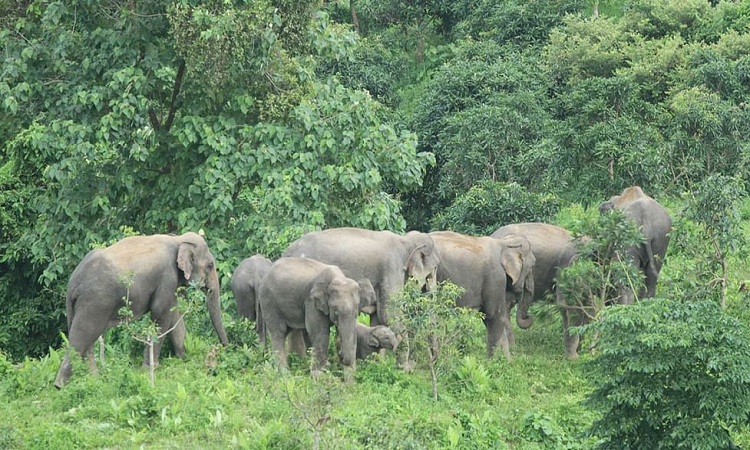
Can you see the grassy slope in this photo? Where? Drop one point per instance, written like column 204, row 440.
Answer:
column 238, row 400
column 241, row 400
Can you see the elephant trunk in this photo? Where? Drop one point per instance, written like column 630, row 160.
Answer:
column 523, row 319
column 214, row 306
column 381, row 315
column 348, row 336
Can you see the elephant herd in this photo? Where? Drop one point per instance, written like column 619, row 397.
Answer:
column 327, row 278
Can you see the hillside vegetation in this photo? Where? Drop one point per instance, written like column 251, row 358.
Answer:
column 257, row 121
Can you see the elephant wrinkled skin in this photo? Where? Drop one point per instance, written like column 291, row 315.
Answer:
column 554, row 249
column 304, row 294
column 153, row 267
column 482, row 266
column 654, row 222
column 245, row 284
column 385, row 258
column 372, row 339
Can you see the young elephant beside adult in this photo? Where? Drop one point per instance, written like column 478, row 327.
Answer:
column 482, row 266
column 373, row 339
column 554, row 249
column 304, row 294
column 245, row 284
column 147, row 270
column 385, row 258
column 655, row 223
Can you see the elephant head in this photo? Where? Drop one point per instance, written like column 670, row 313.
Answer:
column 383, row 337
column 423, row 260
column 338, row 298
column 196, row 262
column 518, row 261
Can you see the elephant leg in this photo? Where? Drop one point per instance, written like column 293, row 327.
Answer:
column 177, row 336
column 166, row 322
column 297, row 344
column 651, row 276
column 572, row 341
column 496, row 335
column 319, row 340
column 278, row 339
column 81, row 338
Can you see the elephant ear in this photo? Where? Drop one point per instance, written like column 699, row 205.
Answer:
column 373, row 340
column 185, row 258
column 367, row 299
column 319, row 296
column 512, row 260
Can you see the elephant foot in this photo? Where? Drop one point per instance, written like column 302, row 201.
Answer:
column 349, row 374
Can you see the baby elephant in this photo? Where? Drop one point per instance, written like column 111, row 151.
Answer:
column 371, row 339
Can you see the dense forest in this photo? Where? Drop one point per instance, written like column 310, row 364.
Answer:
column 258, row 121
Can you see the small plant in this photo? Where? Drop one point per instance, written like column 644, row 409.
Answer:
column 431, row 324
column 313, row 402
column 669, row 373
column 145, row 330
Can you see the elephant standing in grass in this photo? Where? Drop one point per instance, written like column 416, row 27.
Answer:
column 554, row 249
column 385, row 258
column 147, row 270
column 245, row 285
column 482, row 266
column 373, row 339
column 654, row 221
column 304, row 294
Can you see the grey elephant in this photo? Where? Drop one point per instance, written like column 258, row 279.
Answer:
column 385, row 258
column 245, row 284
column 304, row 294
column 147, row 270
column 482, row 266
column 554, row 249
column 654, row 221
column 373, row 339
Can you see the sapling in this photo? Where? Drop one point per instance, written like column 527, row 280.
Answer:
column 145, row 330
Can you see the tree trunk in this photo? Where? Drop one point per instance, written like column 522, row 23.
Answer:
column 355, row 19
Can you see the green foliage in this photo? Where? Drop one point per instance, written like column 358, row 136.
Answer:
column 603, row 265
column 713, row 207
column 489, row 205
column 430, row 325
column 669, row 373
column 518, row 23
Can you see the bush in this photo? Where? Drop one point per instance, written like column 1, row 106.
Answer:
column 669, row 373
column 489, row 205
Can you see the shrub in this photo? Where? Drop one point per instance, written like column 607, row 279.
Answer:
column 488, row 205
column 669, row 374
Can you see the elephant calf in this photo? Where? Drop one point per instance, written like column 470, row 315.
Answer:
column 304, row 294
column 372, row 339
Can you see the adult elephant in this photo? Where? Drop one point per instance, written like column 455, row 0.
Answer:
column 554, row 249
column 482, row 266
column 385, row 258
column 305, row 294
column 654, row 221
column 245, row 284
column 147, row 270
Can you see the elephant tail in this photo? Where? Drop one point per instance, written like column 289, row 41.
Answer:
column 260, row 324
column 70, row 306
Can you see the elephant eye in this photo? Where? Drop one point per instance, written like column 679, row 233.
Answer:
column 211, row 265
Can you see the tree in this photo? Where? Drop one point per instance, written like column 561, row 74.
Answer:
column 669, row 374
column 173, row 117
column 431, row 326
column 713, row 205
